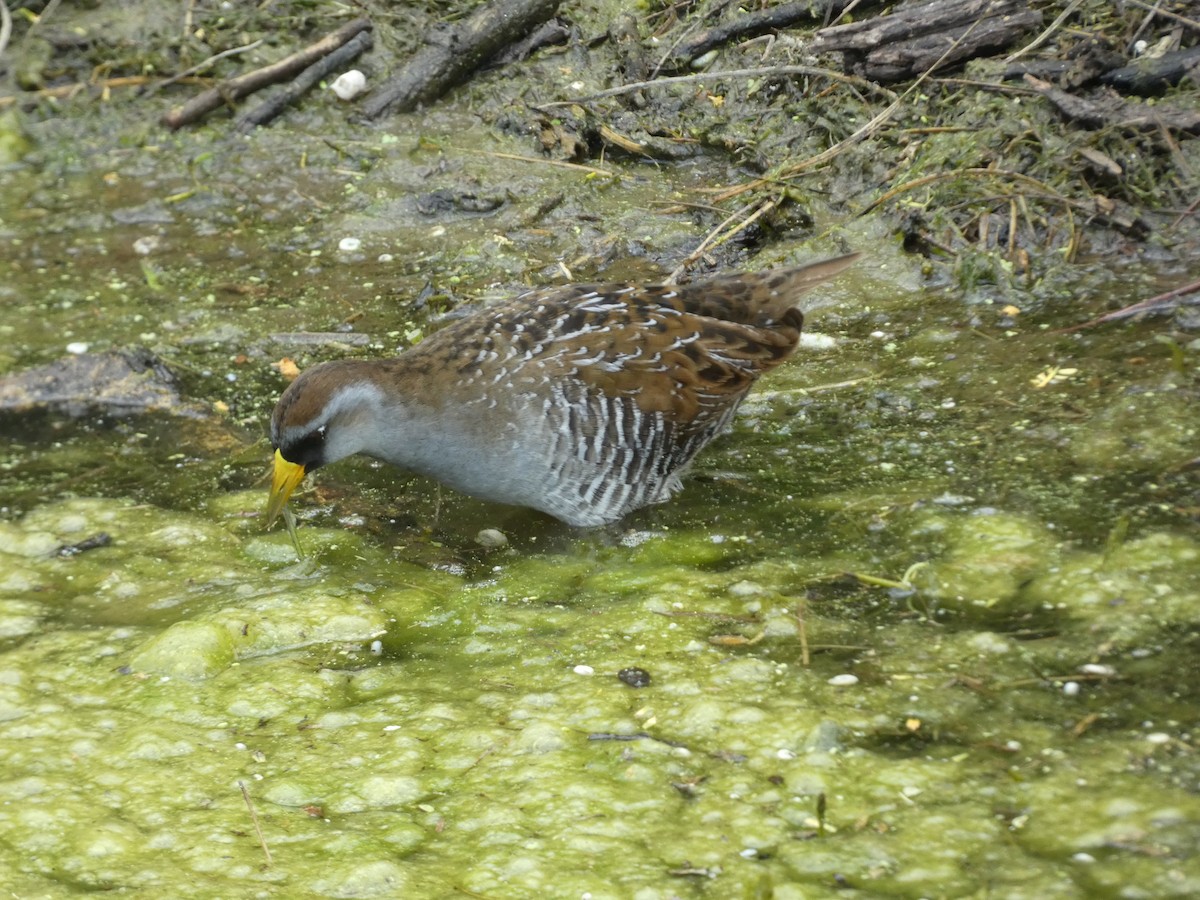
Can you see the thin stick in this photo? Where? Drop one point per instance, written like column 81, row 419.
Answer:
column 1045, row 35
column 562, row 164
column 731, row 73
column 201, row 66
column 254, row 818
column 805, row 657
column 1135, row 308
column 974, row 173
column 1191, row 23
column 5, row 26
column 41, row 19
column 710, row 239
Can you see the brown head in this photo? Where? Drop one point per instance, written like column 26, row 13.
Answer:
column 323, row 416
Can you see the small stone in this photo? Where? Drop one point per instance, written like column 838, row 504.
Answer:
column 146, row 245
column 1071, row 688
column 349, row 245
column 634, row 677
column 349, row 85
column 845, row 680
column 491, row 539
column 584, row 670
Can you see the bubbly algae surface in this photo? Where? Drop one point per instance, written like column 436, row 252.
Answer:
column 411, row 715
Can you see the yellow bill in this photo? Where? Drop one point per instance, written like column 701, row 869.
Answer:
column 286, row 477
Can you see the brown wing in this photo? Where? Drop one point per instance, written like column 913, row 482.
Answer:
column 687, row 352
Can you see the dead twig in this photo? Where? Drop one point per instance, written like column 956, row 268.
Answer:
column 1045, row 35
column 721, row 234
column 757, row 72
column 1115, row 111
column 1148, row 305
column 967, row 173
column 5, row 27
column 236, row 88
column 560, row 163
column 257, row 827
column 802, row 627
column 1155, row 10
column 201, row 66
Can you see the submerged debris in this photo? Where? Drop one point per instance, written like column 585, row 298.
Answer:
column 116, row 382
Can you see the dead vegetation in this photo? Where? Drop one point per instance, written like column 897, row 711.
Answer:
column 997, row 138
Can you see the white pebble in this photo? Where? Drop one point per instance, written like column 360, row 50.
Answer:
column 812, row 341
column 843, row 680
column 785, row 753
column 377, row 647
column 1158, row 737
column 78, row 347
column 1083, row 858
column 349, row 245
column 749, row 853
column 491, row 539
column 584, row 670
column 1071, row 688
column 144, row 246
column 349, row 85
column 1097, row 669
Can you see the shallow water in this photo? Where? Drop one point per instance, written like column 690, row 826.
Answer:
column 1002, row 705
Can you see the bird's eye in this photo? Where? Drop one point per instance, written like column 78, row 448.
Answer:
column 308, row 451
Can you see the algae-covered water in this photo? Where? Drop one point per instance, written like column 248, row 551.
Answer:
column 923, row 624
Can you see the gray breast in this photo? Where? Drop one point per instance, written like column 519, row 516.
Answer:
column 603, row 456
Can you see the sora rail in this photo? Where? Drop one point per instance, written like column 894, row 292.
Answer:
column 585, row 401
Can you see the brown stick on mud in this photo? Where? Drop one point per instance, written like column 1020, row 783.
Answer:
column 449, row 57
column 236, row 88
column 750, row 24
column 1112, row 111
column 901, row 45
column 304, row 82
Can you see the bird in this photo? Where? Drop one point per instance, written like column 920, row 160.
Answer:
column 584, row 401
